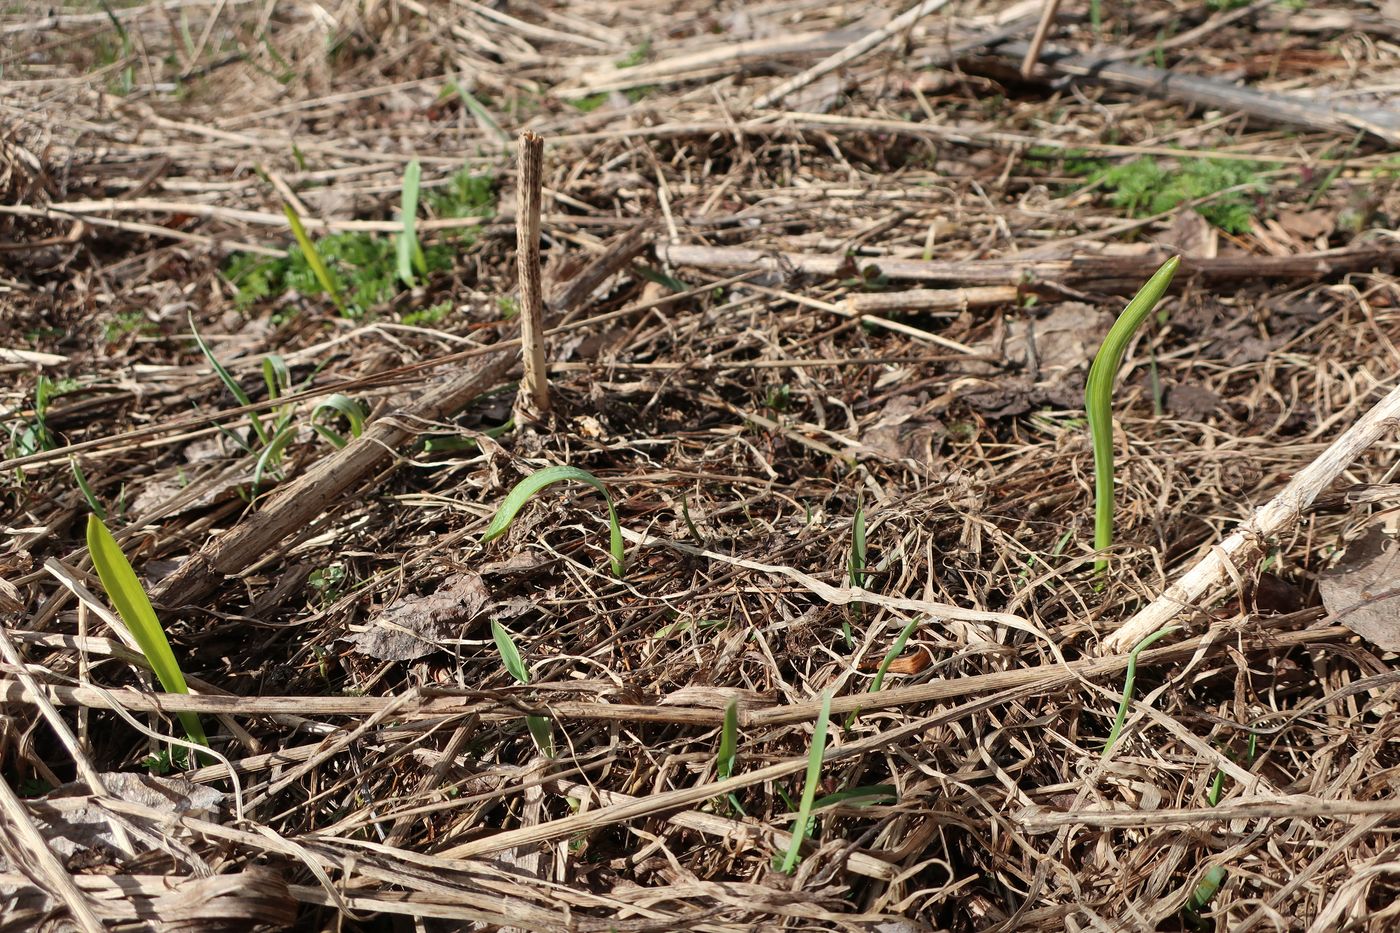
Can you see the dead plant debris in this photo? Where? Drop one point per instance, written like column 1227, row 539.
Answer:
column 801, row 262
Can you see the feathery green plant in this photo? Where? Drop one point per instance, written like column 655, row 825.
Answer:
column 1098, row 399
column 538, row 481
column 803, row 826
column 125, row 591
column 539, row 727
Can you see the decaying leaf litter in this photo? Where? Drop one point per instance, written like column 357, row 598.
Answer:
column 801, row 263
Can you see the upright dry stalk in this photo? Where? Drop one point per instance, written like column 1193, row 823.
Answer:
column 527, row 238
column 1047, row 16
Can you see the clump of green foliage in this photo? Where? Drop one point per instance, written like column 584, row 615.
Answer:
column 362, row 267
column 1145, row 186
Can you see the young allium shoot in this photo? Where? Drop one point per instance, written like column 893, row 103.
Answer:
column 537, row 482
column 125, row 591
column 1098, row 400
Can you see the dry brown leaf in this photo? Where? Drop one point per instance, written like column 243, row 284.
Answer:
column 415, row 626
column 1361, row 592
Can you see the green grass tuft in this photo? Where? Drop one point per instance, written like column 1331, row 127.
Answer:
column 362, row 267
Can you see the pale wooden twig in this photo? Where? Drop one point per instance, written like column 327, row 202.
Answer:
column 933, row 299
column 1271, row 106
column 535, row 386
column 1013, row 271
column 1274, row 517
column 851, row 52
column 296, row 503
column 1042, row 29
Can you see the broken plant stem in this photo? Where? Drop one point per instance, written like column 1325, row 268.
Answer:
column 527, row 258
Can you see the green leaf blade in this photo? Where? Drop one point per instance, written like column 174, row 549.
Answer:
column 1098, row 398
column 537, row 482
column 810, row 782
column 134, row 606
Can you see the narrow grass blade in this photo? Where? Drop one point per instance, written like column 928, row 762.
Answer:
column 313, row 259
column 858, row 796
column 483, row 116
column 1129, row 681
column 409, row 251
column 276, row 376
column 1098, row 399
column 125, row 591
column 528, row 487
column 802, row 827
column 229, row 382
column 88, row 494
column 728, row 741
column 895, row 650
column 271, row 455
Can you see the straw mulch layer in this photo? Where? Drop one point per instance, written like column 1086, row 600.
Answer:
column 779, row 309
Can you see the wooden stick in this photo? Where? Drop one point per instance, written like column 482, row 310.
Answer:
column 535, row 387
column 933, row 299
column 1272, row 518
column 1104, row 271
column 851, row 52
column 1269, row 106
column 1042, row 29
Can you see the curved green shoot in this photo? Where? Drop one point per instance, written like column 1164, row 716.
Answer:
column 338, row 404
column 134, row 607
column 1098, row 399
column 802, row 827
column 1129, row 680
column 528, row 487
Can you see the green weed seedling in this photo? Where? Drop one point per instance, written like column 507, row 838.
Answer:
column 539, row 726
column 270, row 441
column 134, row 606
column 729, row 750
column 360, row 271
column 314, row 260
column 409, row 250
column 536, row 482
column 803, row 826
column 1098, row 400
column 1144, row 187
column 1129, row 682
column 895, row 650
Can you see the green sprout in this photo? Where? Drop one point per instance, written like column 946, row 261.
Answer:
column 1129, row 681
column 510, row 656
column 134, row 606
column 537, row 482
column 1098, row 400
column 314, row 260
column 803, row 827
column 409, row 250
